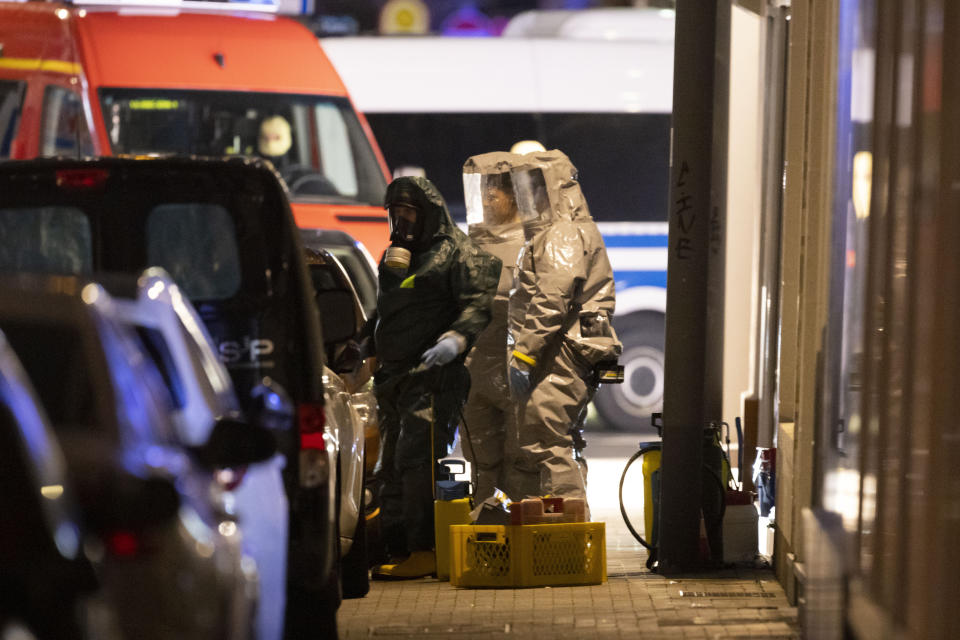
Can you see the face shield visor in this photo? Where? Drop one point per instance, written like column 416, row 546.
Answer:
column 533, row 201
column 490, row 199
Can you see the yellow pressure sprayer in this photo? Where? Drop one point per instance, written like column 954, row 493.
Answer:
column 650, row 453
column 451, row 506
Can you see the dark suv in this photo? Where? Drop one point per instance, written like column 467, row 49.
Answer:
column 225, row 232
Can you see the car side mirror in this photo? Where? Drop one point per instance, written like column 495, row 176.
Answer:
column 338, row 314
column 235, row 442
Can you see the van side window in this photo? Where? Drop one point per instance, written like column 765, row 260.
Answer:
column 11, row 103
column 628, row 150
column 197, row 244
column 50, row 239
column 64, row 129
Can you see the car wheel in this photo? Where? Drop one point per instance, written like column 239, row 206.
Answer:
column 628, row 406
column 354, row 568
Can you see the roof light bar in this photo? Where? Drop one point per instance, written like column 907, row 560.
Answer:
column 260, row 6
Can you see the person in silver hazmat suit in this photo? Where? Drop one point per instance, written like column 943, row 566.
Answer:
column 559, row 324
column 490, row 441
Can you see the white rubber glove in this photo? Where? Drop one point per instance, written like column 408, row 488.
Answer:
column 441, row 353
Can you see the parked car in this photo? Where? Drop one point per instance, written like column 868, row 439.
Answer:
column 351, row 413
column 223, row 229
column 42, row 565
column 361, row 269
column 201, row 391
column 112, row 417
column 353, row 256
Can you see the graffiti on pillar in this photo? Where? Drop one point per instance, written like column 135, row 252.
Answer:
column 685, row 216
column 716, row 231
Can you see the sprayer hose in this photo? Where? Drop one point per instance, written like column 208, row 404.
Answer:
column 623, row 511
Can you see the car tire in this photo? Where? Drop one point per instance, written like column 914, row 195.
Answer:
column 354, row 567
column 628, row 406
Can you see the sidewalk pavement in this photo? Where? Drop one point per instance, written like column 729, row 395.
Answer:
column 737, row 602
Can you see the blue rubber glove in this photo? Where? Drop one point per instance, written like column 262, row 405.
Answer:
column 519, row 383
column 441, row 353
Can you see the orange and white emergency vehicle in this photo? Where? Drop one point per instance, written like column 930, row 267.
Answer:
column 137, row 78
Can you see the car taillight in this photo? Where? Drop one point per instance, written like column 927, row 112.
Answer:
column 123, row 544
column 311, row 419
column 82, row 178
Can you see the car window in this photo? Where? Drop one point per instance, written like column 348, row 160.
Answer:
column 53, row 359
column 64, row 130
column 11, row 104
column 141, row 402
column 155, row 345
column 196, row 244
column 50, row 239
column 215, row 380
column 363, row 279
column 19, row 397
column 324, row 278
column 26, row 532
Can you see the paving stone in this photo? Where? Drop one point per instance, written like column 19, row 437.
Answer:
column 739, row 603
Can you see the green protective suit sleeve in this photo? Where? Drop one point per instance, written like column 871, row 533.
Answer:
column 474, row 277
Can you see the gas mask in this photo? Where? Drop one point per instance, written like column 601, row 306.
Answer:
column 404, row 237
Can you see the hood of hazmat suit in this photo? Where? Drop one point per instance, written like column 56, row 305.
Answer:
column 448, row 287
column 564, row 283
column 495, row 226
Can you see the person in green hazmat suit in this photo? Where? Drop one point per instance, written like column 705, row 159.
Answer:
column 435, row 293
column 490, row 440
column 559, row 324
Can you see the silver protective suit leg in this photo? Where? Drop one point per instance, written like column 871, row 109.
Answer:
column 546, row 464
column 490, row 440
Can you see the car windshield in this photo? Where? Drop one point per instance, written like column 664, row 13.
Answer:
column 315, row 142
column 11, row 101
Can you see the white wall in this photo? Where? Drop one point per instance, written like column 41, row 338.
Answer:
column 743, row 204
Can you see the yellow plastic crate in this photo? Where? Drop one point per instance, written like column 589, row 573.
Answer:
column 531, row 555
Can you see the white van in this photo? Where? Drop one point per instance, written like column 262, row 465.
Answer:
column 433, row 102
